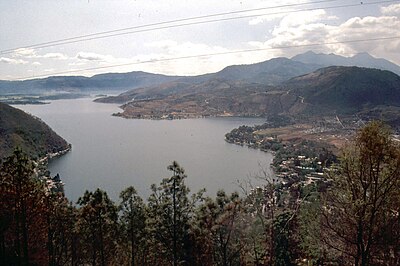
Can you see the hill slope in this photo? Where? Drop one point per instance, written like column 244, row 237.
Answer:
column 33, row 136
column 267, row 73
column 346, row 89
column 327, row 91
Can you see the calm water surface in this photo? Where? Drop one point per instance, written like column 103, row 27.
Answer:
column 113, row 153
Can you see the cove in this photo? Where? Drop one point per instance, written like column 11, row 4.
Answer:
column 112, row 153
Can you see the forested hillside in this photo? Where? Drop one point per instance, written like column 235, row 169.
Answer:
column 19, row 129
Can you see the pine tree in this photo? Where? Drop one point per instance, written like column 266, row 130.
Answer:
column 133, row 220
column 97, row 225
column 170, row 212
column 22, row 216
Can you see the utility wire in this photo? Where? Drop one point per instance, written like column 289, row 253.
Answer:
column 215, row 54
column 118, row 32
column 162, row 23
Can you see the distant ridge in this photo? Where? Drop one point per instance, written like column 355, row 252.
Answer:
column 106, row 82
column 360, row 60
column 269, row 73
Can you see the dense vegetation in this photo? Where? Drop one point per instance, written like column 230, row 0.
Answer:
column 353, row 221
column 17, row 128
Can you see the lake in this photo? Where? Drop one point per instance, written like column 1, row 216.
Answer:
column 113, row 153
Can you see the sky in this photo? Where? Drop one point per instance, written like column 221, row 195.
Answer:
column 189, row 37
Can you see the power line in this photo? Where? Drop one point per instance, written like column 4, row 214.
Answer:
column 113, row 33
column 162, row 23
column 215, row 54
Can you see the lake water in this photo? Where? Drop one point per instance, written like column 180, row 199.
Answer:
column 113, row 153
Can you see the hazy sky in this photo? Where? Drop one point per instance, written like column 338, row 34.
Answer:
column 300, row 22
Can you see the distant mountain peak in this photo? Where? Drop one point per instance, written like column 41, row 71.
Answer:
column 362, row 59
column 363, row 54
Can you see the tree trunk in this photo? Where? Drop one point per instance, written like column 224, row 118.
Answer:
column 24, row 234
column 174, row 223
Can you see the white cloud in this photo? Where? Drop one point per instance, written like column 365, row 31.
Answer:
column 367, row 28
column 25, row 52
column 303, row 18
column 31, row 53
column 391, row 10
column 94, row 57
column 13, row 61
column 49, row 70
column 299, row 30
column 58, row 56
column 36, row 64
column 267, row 18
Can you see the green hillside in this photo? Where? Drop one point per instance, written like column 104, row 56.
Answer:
column 18, row 129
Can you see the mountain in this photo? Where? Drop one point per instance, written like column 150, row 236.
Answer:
column 267, row 73
column 147, row 85
column 214, row 97
column 270, row 72
column 33, row 136
column 360, row 60
column 346, row 89
column 106, row 82
column 326, row 91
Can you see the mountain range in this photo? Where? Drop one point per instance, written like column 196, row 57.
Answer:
column 271, row 72
column 326, row 91
column 295, row 87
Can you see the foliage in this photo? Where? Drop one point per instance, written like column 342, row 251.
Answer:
column 351, row 219
column 133, row 222
column 97, row 226
column 23, row 223
column 362, row 206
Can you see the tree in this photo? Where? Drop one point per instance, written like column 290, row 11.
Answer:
column 97, row 225
column 23, row 225
column 218, row 228
column 133, row 220
column 285, row 227
column 170, row 211
column 60, row 225
column 363, row 203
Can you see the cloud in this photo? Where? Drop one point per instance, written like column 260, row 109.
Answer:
column 298, row 30
column 31, row 53
column 391, row 10
column 58, row 56
column 25, row 52
column 262, row 19
column 12, row 61
column 36, row 64
column 94, row 57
